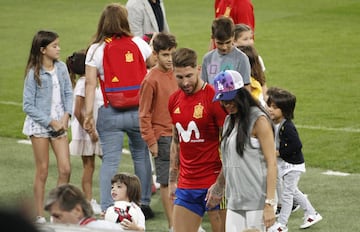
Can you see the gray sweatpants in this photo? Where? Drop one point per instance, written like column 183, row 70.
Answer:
column 291, row 192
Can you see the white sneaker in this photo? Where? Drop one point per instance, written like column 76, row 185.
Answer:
column 95, row 206
column 278, row 227
column 157, row 185
column 311, row 220
column 201, row 229
column 40, row 220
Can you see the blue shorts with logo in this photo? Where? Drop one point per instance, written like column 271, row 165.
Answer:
column 193, row 200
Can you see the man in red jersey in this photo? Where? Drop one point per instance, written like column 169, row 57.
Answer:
column 194, row 154
column 241, row 11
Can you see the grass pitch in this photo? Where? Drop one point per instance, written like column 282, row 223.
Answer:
column 309, row 47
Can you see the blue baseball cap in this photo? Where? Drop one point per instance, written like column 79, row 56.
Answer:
column 226, row 84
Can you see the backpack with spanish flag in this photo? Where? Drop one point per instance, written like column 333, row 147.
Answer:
column 124, row 70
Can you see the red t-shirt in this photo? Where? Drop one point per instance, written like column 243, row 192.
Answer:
column 197, row 120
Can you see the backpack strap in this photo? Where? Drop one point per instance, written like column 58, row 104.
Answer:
column 102, row 85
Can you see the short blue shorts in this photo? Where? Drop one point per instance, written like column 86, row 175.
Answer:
column 193, row 200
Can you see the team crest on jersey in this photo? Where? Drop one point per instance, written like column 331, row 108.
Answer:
column 198, row 111
column 129, row 57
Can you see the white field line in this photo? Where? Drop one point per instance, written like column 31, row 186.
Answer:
column 10, row 103
column 28, row 142
column 335, row 173
column 344, row 129
column 125, row 151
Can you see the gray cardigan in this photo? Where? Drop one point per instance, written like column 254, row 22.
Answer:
column 245, row 176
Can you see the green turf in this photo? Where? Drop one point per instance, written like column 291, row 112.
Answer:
column 309, row 47
column 335, row 197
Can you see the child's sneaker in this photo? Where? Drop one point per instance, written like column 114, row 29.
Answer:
column 153, row 189
column 295, row 207
column 278, row 227
column 40, row 220
column 95, row 206
column 277, row 213
column 311, row 220
column 201, row 229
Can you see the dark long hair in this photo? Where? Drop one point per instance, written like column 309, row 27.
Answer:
column 256, row 69
column 41, row 40
column 243, row 101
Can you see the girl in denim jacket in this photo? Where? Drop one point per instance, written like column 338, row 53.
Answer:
column 47, row 102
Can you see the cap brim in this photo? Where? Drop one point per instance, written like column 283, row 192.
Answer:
column 226, row 96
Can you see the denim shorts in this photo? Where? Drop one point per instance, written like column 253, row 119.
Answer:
column 50, row 134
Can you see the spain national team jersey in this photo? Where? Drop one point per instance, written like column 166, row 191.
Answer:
column 240, row 11
column 197, row 120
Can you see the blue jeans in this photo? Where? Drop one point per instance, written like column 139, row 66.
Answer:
column 111, row 125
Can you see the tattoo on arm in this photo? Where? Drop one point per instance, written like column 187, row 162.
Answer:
column 174, row 157
column 219, row 187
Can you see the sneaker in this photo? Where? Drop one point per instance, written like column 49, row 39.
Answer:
column 157, row 185
column 153, row 189
column 95, row 206
column 277, row 213
column 147, row 211
column 40, row 220
column 201, row 229
column 311, row 220
column 295, row 207
column 278, row 227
